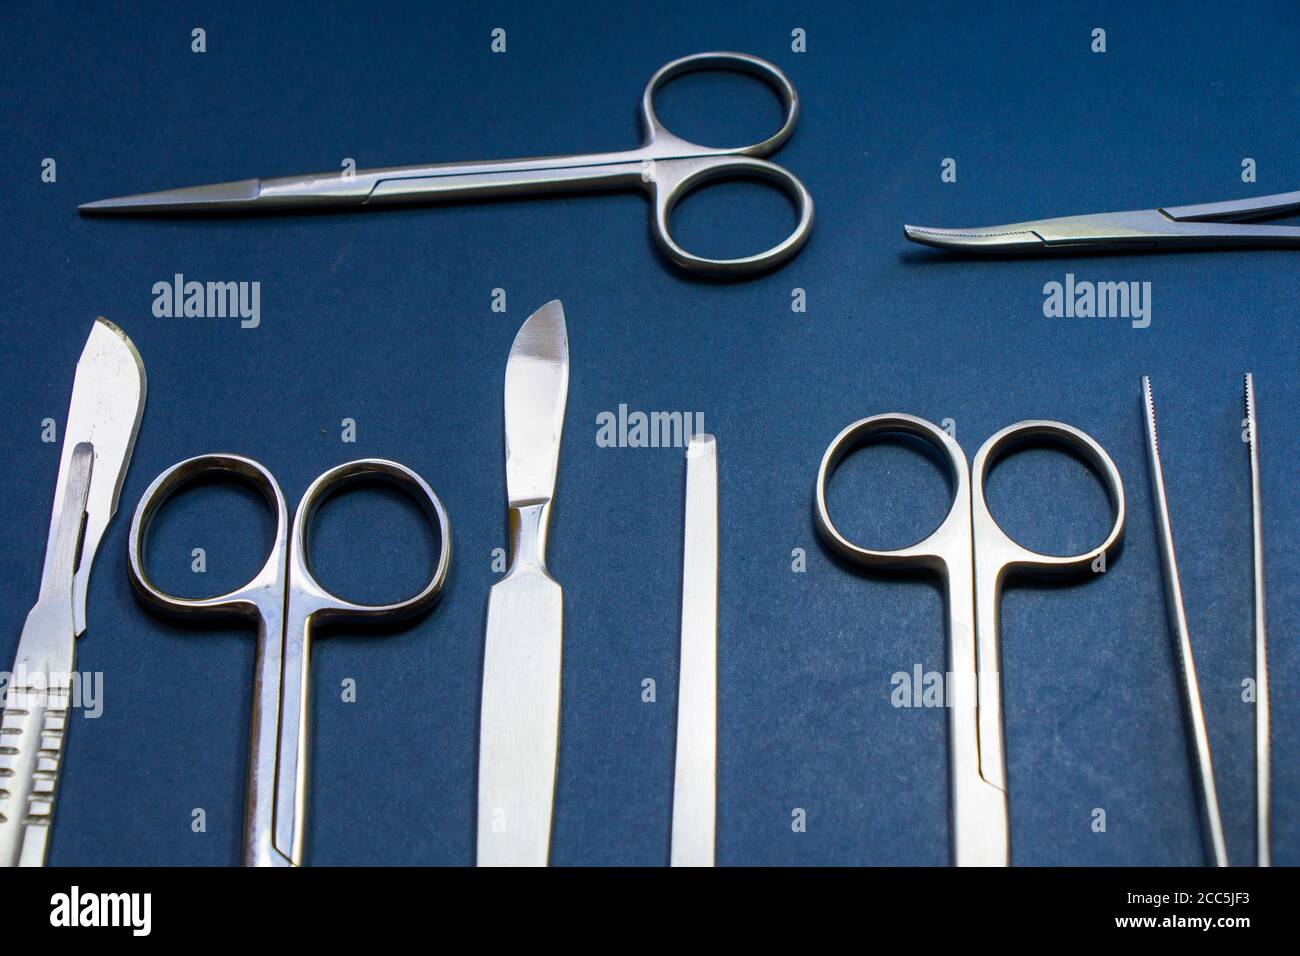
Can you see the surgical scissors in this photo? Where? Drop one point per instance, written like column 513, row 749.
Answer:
column 287, row 602
column 973, row 555
column 1207, row 225
column 666, row 165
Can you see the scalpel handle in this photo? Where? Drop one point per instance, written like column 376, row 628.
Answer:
column 695, row 785
column 36, row 702
column 519, row 722
column 31, row 754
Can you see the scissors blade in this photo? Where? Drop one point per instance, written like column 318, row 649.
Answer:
column 1133, row 230
column 1211, row 821
column 993, row 240
column 520, row 716
column 383, row 185
column 108, row 396
column 695, row 802
column 1112, row 231
column 216, row 197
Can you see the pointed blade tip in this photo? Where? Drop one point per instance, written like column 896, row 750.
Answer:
column 544, row 334
column 552, row 313
column 100, row 206
column 215, row 197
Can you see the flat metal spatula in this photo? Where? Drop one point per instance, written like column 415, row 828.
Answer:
column 695, row 801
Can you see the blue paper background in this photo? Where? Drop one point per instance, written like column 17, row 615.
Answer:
column 385, row 317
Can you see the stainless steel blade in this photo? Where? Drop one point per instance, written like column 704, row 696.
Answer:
column 107, row 403
column 994, row 239
column 35, row 717
column 1263, row 759
column 537, row 384
column 695, row 798
column 217, row 197
column 520, row 716
column 1211, row 821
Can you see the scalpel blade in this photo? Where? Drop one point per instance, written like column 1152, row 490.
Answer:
column 520, row 716
column 107, row 404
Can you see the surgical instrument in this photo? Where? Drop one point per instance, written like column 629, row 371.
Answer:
column 1211, row 822
column 99, row 435
column 695, row 784
column 1206, row 225
column 1263, row 759
column 665, row 165
column 519, row 722
column 288, row 603
column 973, row 556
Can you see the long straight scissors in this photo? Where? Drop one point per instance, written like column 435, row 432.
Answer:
column 973, row 555
column 1207, row 225
column 287, row 602
column 665, row 165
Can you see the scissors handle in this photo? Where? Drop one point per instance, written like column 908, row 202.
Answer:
column 942, row 549
column 308, row 603
column 997, row 554
column 260, row 599
column 658, row 134
column 980, row 821
column 285, row 598
column 311, row 595
column 973, row 555
column 674, row 167
column 673, row 179
column 996, row 551
column 263, row 594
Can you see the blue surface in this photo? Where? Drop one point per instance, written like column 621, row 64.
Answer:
column 385, row 317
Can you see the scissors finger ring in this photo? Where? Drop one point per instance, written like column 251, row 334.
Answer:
column 287, row 601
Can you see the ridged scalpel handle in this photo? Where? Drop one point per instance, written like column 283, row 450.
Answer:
column 31, row 754
column 36, row 701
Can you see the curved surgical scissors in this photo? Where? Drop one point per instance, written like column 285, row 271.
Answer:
column 973, row 555
column 287, row 602
column 1202, row 226
column 666, row 165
